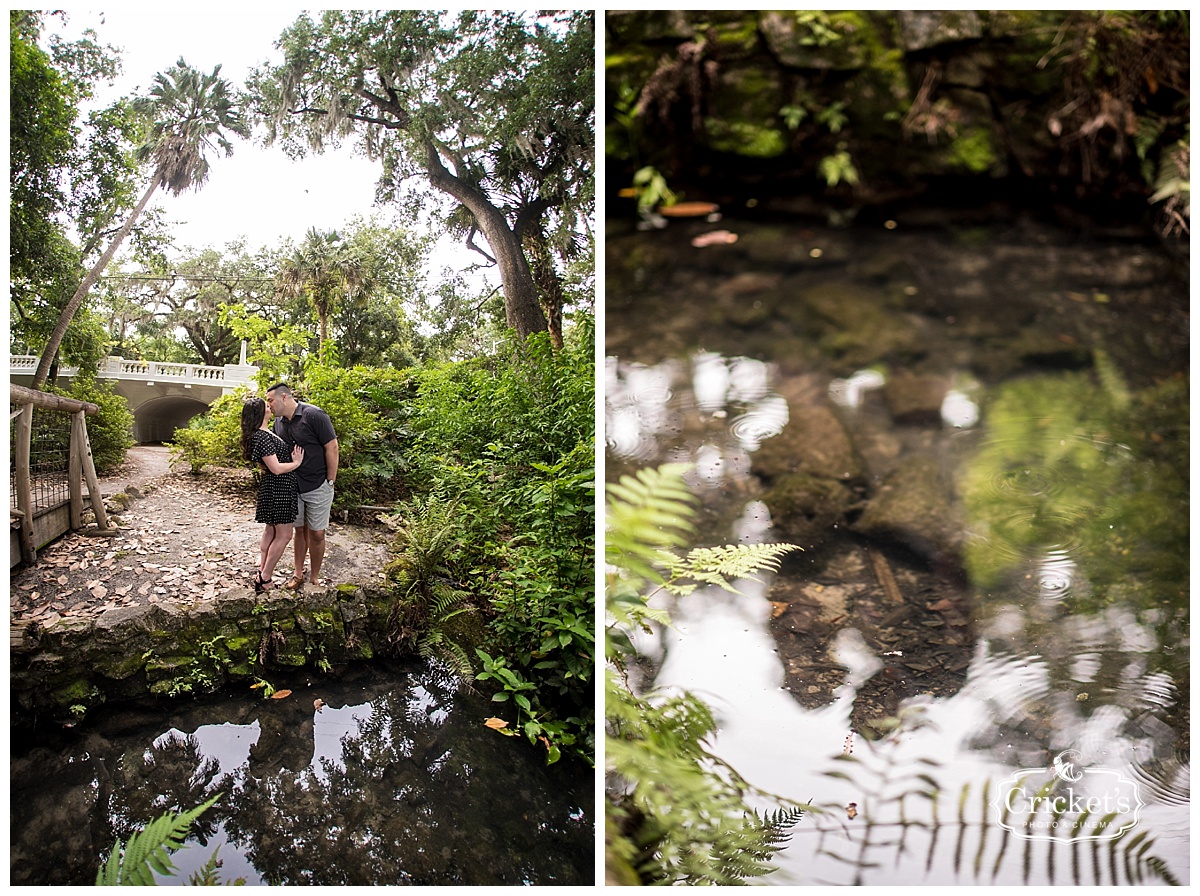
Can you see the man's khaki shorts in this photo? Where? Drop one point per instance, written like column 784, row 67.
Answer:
column 312, row 508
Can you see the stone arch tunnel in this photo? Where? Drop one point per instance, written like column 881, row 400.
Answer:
column 156, row 419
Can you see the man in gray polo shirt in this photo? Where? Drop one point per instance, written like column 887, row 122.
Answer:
column 299, row 423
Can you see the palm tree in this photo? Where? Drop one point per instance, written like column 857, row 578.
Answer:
column 324, row 268
column 188, row 113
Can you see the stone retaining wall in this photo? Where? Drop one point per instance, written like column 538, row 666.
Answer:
column 63, row 669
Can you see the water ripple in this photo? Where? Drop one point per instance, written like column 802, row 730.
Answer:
column 1054, row 577
column 1167, row 781
column 762, row 420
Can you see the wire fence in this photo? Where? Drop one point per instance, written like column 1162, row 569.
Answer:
column 49, row 456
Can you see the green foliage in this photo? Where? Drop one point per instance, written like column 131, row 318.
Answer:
column 146, row 852
column 1172, row 185
column 683, row 815
column 110, row 432
column 676, row 813
column 214, row 437
column 522, row 78
column 427, row 597
column 1073, row 460
column 61, row 166
column 507, row 442
column 838, row 168
column 651, row 189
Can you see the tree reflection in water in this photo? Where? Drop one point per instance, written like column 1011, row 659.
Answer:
column 417, row 792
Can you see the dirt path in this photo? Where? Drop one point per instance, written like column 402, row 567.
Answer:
column 182, row 539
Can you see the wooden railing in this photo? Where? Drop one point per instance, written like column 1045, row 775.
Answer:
column 79, row 465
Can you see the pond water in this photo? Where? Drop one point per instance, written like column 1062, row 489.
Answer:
column 979, row 437
column 393, row 780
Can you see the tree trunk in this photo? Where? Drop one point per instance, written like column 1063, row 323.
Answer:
column 68, row 313
column 521, row 307
column 548, row 283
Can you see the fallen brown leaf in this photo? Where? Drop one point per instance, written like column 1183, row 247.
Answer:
column 715, row 238
column 279, row 695
column 688, row 209
column 495, row 723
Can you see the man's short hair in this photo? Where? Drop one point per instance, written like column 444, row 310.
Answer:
column 281, row 387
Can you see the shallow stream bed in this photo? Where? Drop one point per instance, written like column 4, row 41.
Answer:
column 978, row 435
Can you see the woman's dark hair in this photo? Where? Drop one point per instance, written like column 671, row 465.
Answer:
column 253, row 411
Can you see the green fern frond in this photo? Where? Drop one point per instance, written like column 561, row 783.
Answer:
column 436, row 645
column 147, row 850
column 716, row 566
column 647, row 514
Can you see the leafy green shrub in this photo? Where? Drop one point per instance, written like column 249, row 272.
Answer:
column 214, row 437
column 110, row 432
column 508, row 442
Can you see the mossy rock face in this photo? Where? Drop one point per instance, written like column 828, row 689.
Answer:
column 129, row 652
column 922, row 29
column 118, row 667
column 650, row 25
column 813, row 39
column 79, row 692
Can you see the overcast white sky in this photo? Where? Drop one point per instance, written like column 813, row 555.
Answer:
column 256, row 193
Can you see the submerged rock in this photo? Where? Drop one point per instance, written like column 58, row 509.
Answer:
column 814, row 441
column 806, row 510
column 916, row 398
column 914, row 507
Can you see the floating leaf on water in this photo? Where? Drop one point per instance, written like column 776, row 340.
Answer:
column 495, row 723
column 714, row 238
column 279, row 695
column 852, row 811
column 778, row 609
column 318, row 704
column 688, row 209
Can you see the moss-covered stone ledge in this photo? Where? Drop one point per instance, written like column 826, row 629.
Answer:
column 63, row 669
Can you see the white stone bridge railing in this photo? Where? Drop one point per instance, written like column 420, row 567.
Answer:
column 228, row 376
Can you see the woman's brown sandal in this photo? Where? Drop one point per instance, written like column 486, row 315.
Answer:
column 295, row 582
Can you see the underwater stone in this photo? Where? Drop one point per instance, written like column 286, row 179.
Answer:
column 805, row 509
column 913, row 507
column 814, row 441
column 915, row 398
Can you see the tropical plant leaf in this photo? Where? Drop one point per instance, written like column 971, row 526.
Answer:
column 148, row 850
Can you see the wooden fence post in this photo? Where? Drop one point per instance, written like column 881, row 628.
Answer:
column 81, row 451
column 24, row 484
column 75, row 481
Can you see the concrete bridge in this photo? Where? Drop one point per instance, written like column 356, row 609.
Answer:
column 162, row 395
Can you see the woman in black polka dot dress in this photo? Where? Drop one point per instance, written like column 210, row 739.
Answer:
column 276, row 487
